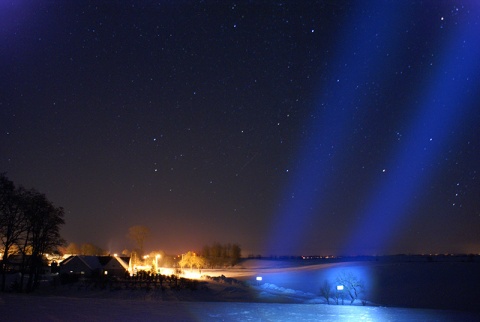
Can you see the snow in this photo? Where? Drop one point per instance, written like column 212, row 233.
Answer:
column 288, row 292
column 35, row 308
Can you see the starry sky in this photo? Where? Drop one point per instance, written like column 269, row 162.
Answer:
column 333, row 127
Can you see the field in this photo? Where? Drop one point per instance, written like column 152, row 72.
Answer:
column 289, row 291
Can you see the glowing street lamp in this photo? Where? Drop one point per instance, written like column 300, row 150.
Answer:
column 259, row 279
column 340, row 289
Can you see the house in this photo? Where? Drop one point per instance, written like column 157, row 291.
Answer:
column 81, row 265
column 116, row 266
column 20, row 262
column 95, row 265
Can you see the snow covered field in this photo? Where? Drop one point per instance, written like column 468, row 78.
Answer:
column 413, row 291
column 453, row 285
column 34, row 308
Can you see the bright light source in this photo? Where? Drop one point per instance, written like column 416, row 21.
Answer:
column 192, row 275
column 145, row 268
column 339, row 287
column 259, row 278
column 167, row 271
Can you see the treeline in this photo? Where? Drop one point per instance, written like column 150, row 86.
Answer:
column 84, row 249
column 218, row 255
column 30, row 227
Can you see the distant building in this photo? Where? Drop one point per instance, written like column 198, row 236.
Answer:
column 95, row 265
column 18, row 263
column 117, row 266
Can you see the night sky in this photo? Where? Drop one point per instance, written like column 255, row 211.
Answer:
column 337, row 127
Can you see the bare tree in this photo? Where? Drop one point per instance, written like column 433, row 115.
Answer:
column 43, row 232
column 191, row 260
column 326, row 291
column 352, row 285
column 30, row 223
column 72, row 249
column 139, row 234
column 234, row 254
column 91, row 250
column 218, row 255
column 12, row 221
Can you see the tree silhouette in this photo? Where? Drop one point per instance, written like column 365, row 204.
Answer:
column 43, row 232
column 72, row 248
column 139, row 234
column 218, row 255
column 30, row 224
column 12, row 221
column 191, row 260
column 91, row 249
column 353, row 286
column 326, row 291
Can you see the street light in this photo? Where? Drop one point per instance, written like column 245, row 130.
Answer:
column 340, row 289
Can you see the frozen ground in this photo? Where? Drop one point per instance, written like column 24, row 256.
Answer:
column 35, row 308
column 288, row 292
column 453, row 285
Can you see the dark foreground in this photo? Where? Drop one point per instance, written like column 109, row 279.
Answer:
column 54, row 308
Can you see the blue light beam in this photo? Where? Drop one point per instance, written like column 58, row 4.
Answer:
column 358, row 58
column 451, row 96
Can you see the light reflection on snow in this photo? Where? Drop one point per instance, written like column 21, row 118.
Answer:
column 192, row 275
column 24, row 308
